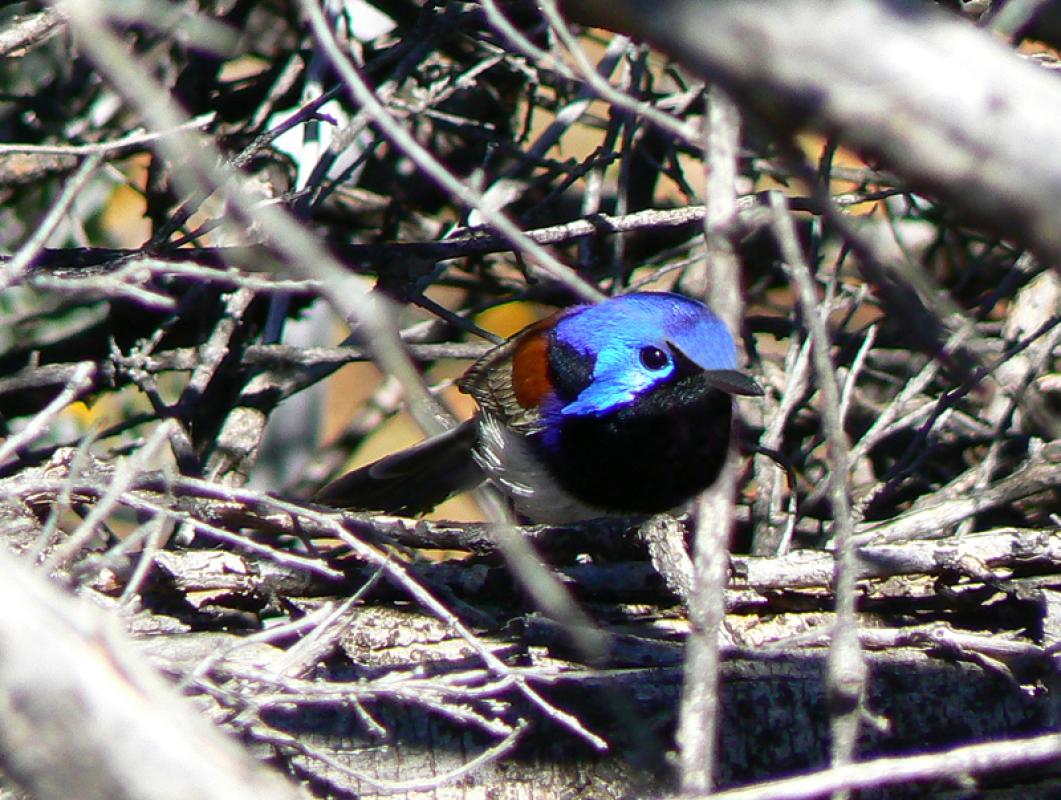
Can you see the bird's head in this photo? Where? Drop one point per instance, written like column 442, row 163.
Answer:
column 592, row 360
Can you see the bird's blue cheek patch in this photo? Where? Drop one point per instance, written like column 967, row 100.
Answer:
column 606, row 393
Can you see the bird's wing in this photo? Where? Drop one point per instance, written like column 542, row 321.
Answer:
column 490, row 381
column 413, row 480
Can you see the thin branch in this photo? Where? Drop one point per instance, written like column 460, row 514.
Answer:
column 971, row 128
column 953, row 764
column 30, row 30
column 698, row 723
column 364, row 95
column 81, row 676
column 15, row 270
column 115, row 148
column 847, row 669
column 79, row 380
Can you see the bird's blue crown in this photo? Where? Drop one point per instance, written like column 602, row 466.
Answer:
column 634, row 342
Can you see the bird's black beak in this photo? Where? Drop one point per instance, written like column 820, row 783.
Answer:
column 732, row 382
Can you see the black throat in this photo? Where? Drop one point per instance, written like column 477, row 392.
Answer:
column 648, row 456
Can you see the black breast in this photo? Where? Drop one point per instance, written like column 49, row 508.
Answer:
column 648, row 456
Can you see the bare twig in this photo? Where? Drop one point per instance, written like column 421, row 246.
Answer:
column 430, row 165
column 109, row 149
column 29, row 30
column 86, row 686
column 972, row 152
column 954, row 764
column 847, row 669
column 15, row 270
column 698, row 726
column 78, row 381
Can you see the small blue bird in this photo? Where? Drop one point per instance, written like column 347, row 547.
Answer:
column 620, row 408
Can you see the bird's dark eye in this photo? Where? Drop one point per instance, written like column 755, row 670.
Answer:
column 653, row 358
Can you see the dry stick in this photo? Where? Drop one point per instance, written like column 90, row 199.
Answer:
column 15, row 270
column 241, row 433
column 467, row 79
column 28, row 30
column 997, row 549
column 595, row 169
column 633, row 79
column 921, row 96
column 281, row 557
column 942, row 635
column 914, row 387
column 262, row 732
column 488, row 756
column 286, row 742
column 211, row 353
column 944, row 406
column 387, row 92
column 684, row 132
column 856, row 367
column 303, row 656
column 143, row 543
column 987, row 467
column 871, row 259
column 460, row 243
column 394, row 571
column 111, row 148
column 63, row 498
column 766, row 541
column 313, row 188
column 79, row 381
column 121, row 481
column 981, row 556
column 163, row 237
column 1040, row 471
column 219, row 659
column 37, row 377
column 427, row 163
column 698, row 721
column 543, row 586
column 153, row 533
column 435, row 695
column 955, row 764
column 120, row 284
column 401, row 577
column 576, row 109
column 846, row 667
column 232, row 277
column 85, row 716
column 308, row 695
column 307, row 653
column 303, row 114
column 567, row 116
column 515, row 37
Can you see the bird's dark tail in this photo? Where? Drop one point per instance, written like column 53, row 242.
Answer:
column 411, row 481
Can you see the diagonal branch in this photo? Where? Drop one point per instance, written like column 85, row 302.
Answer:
column 941, row 103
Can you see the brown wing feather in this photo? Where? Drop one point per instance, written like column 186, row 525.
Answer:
column 490, row 379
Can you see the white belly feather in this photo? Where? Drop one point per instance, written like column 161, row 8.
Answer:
column 507, row 460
